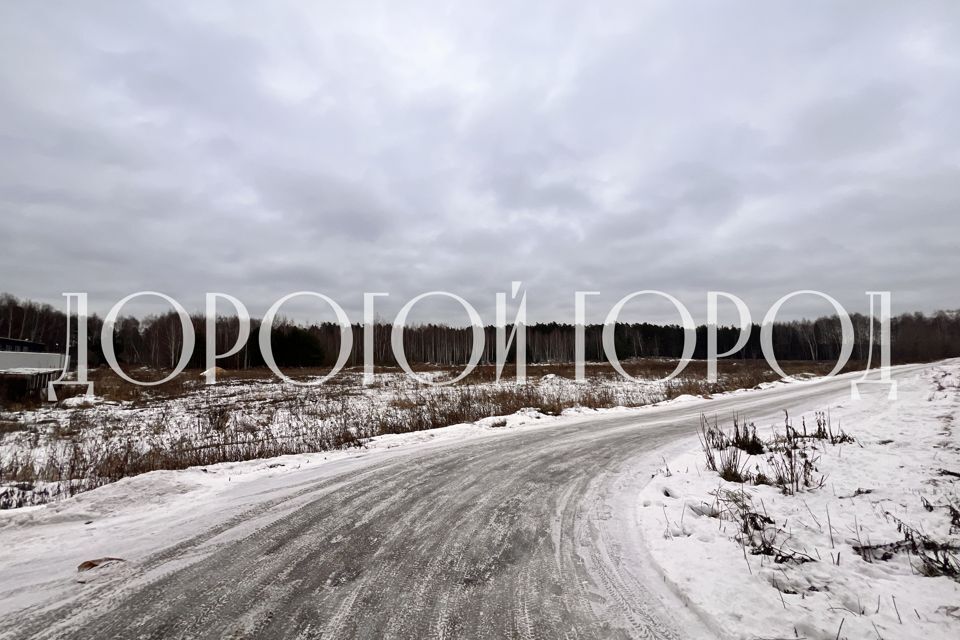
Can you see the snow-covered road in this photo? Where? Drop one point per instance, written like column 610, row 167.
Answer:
column 469, row 532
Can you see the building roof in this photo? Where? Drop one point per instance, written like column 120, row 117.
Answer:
column 27, row 371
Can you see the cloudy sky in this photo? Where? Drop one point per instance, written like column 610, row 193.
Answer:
column 265, row 148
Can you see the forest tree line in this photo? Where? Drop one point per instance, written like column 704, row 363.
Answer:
column 156, row 341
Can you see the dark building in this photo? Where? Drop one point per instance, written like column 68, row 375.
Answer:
column 21, row 346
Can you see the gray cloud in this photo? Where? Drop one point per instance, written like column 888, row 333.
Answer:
column 756, row 149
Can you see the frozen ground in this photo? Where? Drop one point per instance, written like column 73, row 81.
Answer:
column 528, row 526
column 856, row 548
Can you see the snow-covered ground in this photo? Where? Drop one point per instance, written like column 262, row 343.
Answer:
column 891, row 474
column 41, row 546
column 94, row 440
column 851, row 555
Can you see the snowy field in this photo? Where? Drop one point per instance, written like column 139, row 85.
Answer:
column 851, row 546
column 56, row 450
column 861, row 541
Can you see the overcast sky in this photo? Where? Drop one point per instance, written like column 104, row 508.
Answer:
column 405, row 147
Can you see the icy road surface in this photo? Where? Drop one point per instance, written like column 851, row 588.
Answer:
column 517, row 534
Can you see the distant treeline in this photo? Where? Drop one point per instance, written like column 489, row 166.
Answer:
column 156, row 341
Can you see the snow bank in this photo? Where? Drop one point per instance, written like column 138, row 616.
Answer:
column 841, row 562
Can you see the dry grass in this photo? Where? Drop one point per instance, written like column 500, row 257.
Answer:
column 791, row 457
column 334, row 416
column 734, row 374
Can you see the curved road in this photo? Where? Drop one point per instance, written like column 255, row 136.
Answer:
column 513, row 536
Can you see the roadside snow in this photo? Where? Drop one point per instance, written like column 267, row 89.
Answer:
column 899, row 480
